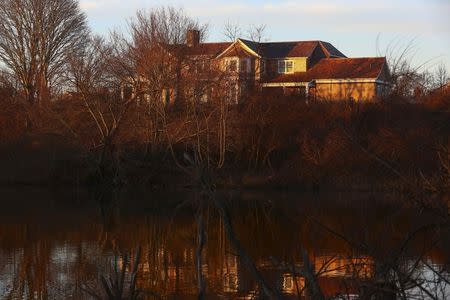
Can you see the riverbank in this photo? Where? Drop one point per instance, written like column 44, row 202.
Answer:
column 36, row 167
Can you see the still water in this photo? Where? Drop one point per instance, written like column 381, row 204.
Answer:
column 60, row 244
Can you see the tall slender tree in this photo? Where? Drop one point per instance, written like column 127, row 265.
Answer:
column 35, row 39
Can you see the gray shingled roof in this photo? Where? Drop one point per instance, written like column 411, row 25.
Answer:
column 292, row 49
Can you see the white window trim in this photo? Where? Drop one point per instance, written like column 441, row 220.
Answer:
column 284, row 62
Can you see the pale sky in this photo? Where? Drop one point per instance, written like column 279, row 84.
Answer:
column 351, row 25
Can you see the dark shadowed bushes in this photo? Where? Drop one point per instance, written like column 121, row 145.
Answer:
column 281, row 141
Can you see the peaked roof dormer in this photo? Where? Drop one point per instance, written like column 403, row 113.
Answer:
column 330, row 51
column 248, row 46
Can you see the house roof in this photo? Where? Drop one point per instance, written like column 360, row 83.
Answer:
column 291, row 49
column 269, row 50
column 210, row 49
column 254, row 46
column 330, row 50
column 336, row 68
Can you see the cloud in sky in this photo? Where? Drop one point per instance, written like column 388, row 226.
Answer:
column 410, row 16
column 338, row 20
column 87, row 5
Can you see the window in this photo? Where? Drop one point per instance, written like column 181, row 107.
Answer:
column 285, row 66
column 232, row 65
column 244, row 65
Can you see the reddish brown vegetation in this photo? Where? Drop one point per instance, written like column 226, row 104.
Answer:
column 282, row 141
column 132, row 110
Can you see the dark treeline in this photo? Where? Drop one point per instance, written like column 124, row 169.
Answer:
column 81, row 109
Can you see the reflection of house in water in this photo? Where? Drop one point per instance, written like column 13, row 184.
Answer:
column 339, row 266
column 230, row 272
column 71, row 255
column 172, row 273
column 170, row 270
column 226, row 276
column 336, row 274
column 293, row 285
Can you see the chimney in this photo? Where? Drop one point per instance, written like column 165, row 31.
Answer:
column 193, row 37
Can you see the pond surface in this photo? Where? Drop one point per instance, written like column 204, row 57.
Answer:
column 60, row 244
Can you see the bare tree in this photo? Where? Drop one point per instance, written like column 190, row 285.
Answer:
column 93, row 72
column 7, row 87
column 157, row 59
column 35, row 38
column 163, row 25
column 408, row 79
column 143, row 65
column 87, row 69
column 441, row 76
column 257, row 33
column 5, row 79
column 232, row 31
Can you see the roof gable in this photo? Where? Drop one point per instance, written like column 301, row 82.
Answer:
column 330, row 50
column 240, row 47
column 254, row 46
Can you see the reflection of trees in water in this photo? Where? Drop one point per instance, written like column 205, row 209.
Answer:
column 365, row 250
column 47, row 269
column 121, row 283
column 399, row 270
column 32, row 276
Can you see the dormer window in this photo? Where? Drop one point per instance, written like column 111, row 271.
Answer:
column 232, row 64
column 285, row 66
column 236, row 64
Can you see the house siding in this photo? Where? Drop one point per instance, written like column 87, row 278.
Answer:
column 300, row 64
column 333, row 78
column 346, row 91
